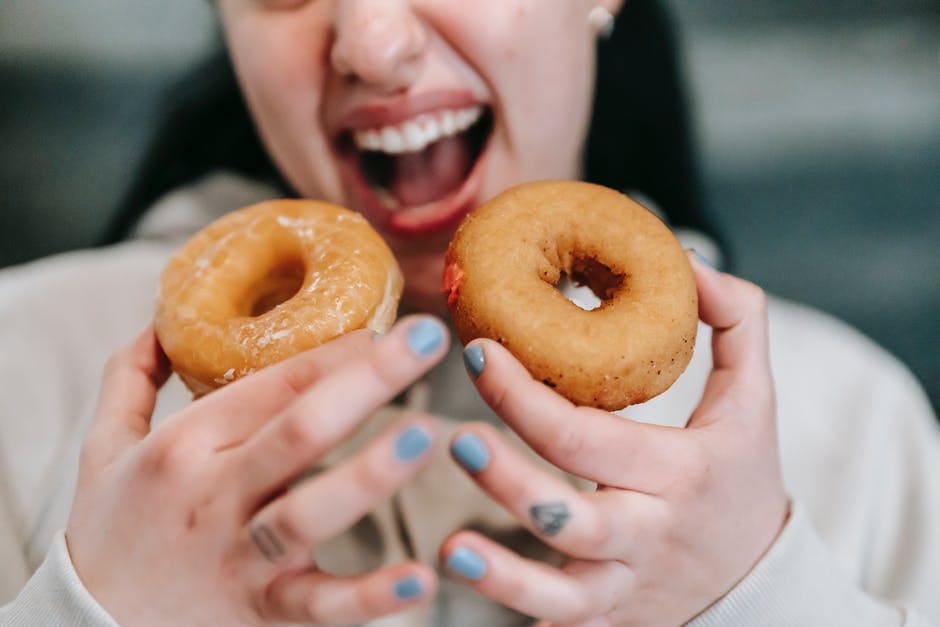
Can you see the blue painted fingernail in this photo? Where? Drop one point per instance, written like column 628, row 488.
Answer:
column 467, row 564
column 408, row 588
column 702, row 260
column 473, row 359
column 424, row 337
column 411, row 443
column 470, row 452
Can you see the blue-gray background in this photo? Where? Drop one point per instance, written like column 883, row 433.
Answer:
column 819, row 124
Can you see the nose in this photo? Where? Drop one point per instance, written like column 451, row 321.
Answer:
column 378, row 42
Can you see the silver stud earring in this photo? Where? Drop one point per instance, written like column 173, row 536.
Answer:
column 602, row 21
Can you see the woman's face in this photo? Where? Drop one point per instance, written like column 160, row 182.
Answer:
column 413, row 112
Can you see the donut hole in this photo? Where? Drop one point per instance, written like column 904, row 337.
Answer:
column 277, row 286
column 588, row 283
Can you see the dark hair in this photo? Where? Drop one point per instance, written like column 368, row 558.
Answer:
column 640, row 137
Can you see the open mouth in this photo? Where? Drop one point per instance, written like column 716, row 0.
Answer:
column 416, row 176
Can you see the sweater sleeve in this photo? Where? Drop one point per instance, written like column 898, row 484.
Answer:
column 55, row 596
column 796, row 584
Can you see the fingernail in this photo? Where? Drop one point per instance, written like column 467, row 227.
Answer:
column 408, row 588
column 424, row 337
column 411, row 443
column 473, row 359
column 702, row 260
column 470, row 452
column 467, row 564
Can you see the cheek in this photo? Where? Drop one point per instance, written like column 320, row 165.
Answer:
column 280, row 74
column 554, row 78
column 539, row 65
column 281, row 64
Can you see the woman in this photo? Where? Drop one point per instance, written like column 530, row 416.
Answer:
column 181, row 515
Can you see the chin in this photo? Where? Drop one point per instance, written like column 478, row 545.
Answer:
column 423, row 273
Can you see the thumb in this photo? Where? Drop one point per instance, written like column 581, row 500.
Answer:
column 129, row 386
column 737, row 312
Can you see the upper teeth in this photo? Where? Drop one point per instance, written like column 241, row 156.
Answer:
column 416, row 134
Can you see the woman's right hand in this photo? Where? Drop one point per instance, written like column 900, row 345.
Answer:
column 191, row 523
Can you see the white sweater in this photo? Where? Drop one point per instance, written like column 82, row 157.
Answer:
column 859, row 443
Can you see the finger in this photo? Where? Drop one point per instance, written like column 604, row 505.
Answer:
column 587, row 442
column 549, row 507
column 129, row 386
column 285, row 531
column 737, row 312
column 238, row 410
column 329, row 411
column 324, row 599
column 567, row 596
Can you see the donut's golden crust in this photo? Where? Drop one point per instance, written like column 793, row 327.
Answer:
column 507, row 256
column 221, row 310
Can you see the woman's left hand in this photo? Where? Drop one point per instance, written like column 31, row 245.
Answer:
column 679, row 515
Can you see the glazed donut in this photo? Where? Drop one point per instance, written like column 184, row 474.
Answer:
column 509, row 255
column 268, row 281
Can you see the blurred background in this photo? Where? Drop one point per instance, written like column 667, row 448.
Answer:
column 819, row 126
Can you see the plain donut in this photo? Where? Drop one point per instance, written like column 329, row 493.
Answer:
column 507, row 257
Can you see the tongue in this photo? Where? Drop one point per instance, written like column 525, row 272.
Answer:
column 429, row 175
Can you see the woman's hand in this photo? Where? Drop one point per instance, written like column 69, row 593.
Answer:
column 191, row 523
column 679, row 515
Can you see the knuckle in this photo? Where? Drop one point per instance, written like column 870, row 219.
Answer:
column 388, row 373
column 372, row 601
column 115, row 362
column 372, row 477
column 517, row 495
column 510, row 587
column 204, row 513
column 756, row 297
column 581, row 611
column 693, row 466
column 598, row 536
column 263, row 602
column 170, row 456
column 288, row 522
column 299, row 436
column 301, row 374
column 657, row 525
column 569, row 443
column 498, row 397
column 315, row 613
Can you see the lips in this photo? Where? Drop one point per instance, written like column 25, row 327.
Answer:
column 414, row 164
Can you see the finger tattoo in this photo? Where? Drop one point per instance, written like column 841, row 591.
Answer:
column 267, row 543
column 549, row 518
